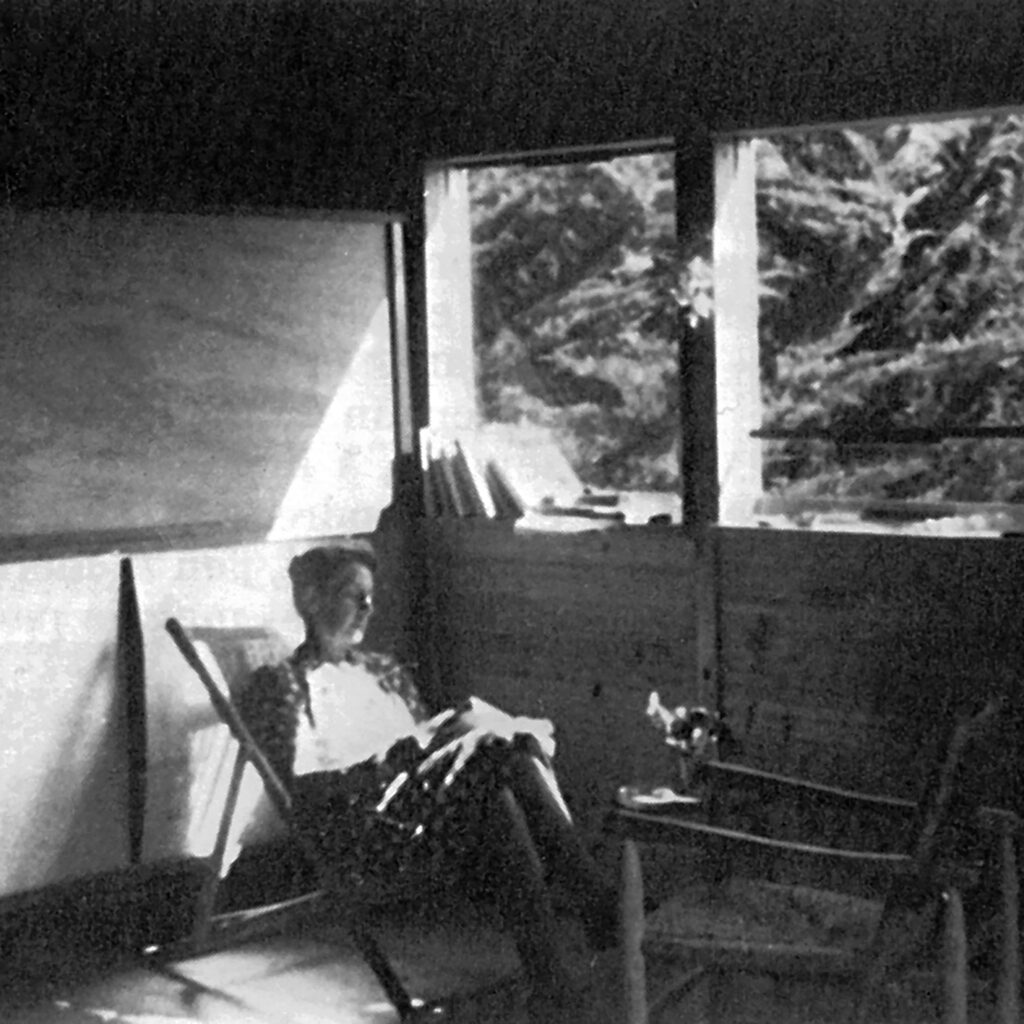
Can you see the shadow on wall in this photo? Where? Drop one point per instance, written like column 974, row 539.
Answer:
column 85, row 794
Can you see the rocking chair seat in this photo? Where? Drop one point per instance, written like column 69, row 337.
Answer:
column 747, row 923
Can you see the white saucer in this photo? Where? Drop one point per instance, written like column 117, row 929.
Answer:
column 635, row 798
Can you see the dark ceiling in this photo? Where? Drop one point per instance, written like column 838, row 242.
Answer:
column 316, row 102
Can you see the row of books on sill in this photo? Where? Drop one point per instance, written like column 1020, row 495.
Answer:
column 458, row 484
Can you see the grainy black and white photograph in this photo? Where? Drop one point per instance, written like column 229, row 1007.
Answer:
column 511, row 511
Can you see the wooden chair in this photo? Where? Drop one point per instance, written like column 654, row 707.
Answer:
column 231, row 655
column 237, row 652
column 856, row 918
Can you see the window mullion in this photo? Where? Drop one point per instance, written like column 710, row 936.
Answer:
column 449, row 269
column 737, row 361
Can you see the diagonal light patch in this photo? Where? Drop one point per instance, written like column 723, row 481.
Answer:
column 344, row 479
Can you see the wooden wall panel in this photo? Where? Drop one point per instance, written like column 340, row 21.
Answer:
column 577, row 628
column 843, row 655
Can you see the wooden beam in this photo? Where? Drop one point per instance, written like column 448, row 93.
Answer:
column 407, row 485
column 418, row 600
column 414, row 262
column 695, row 214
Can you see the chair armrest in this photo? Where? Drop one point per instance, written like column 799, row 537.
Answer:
column 998, row 819
column 733, row 852
column 652, row 828
column 755, row 801
column 723, row 775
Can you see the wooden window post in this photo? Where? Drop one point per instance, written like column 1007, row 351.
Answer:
column 737, row 359
column 449, row 301
column 695, row 199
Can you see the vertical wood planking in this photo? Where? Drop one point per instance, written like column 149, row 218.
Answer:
column 843, row 653
column 578, row 628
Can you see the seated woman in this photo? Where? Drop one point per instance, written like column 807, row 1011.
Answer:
column 386, row 790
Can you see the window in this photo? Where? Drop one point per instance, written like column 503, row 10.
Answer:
column 869, row 326
column 553, row 289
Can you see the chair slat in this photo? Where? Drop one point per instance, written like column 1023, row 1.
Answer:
column 280, row 796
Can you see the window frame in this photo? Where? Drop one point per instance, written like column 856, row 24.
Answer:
column 739, row 406
column 448, row 310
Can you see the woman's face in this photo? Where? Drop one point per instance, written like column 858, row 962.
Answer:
column 344, row 612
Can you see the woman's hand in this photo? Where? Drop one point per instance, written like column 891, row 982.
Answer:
column 483, row 724
column 426, row 731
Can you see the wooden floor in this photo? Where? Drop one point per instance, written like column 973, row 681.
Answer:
column 313, row 975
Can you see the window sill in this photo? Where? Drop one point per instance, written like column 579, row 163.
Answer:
column 905, row 521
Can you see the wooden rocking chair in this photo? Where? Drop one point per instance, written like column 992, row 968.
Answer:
column 851, row 921
column 237, row 653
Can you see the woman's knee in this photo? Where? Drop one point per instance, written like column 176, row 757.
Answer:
column 534, row 783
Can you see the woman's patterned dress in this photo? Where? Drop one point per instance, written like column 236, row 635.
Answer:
column 424, row 830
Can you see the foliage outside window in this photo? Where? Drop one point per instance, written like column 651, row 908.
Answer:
column 890, row 380
column 890, row 319
column 575, row 290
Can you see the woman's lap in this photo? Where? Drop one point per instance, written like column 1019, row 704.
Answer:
column 426, row 828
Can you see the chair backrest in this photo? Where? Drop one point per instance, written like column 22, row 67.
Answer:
column 238, row 652
column 927, row 829
column 940, row 806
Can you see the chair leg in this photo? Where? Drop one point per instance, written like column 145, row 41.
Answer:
column 884, row 952
column 632, row 911
column 954, row 968
column 525, row 901
column 378, row 962
column 208, row 893
column 1008, row 1001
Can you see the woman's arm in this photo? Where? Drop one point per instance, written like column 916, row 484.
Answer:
column 481, row 714
column 456, row 733
column 479, row 724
